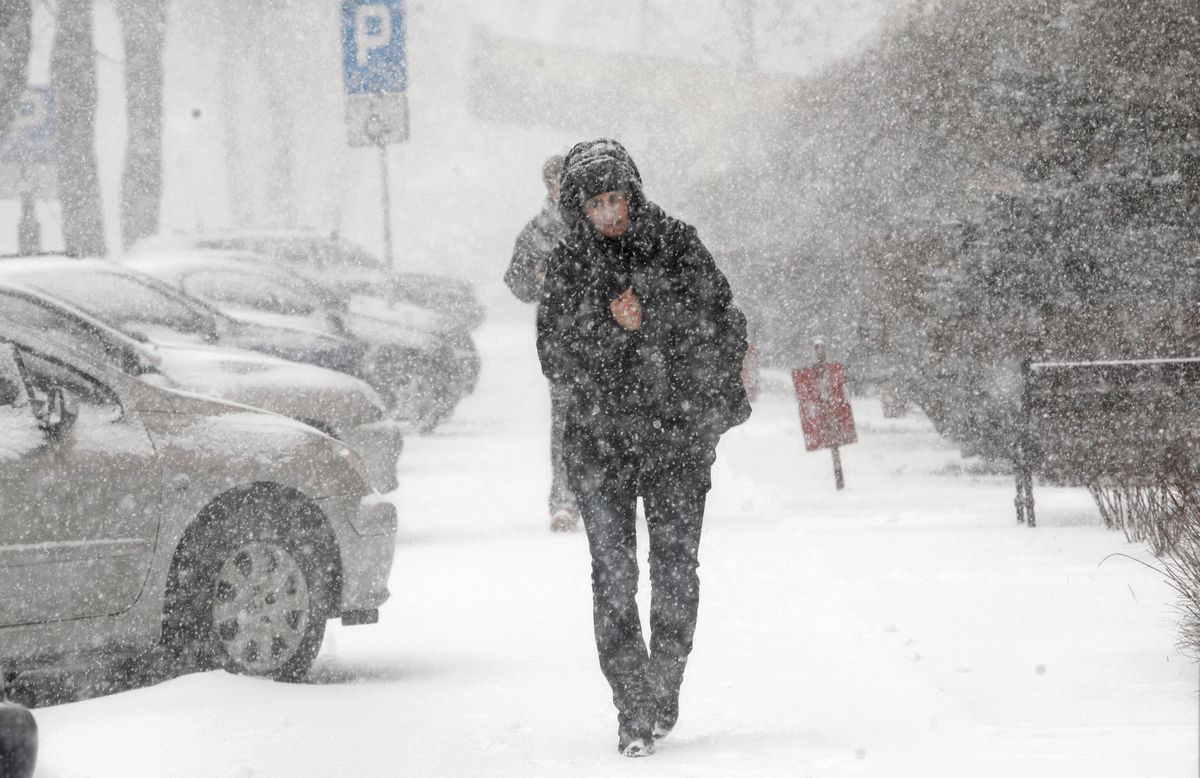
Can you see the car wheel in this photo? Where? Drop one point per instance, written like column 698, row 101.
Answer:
column 252, row 595
column 264, row 614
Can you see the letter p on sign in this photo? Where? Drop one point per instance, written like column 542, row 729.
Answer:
column 372, row 30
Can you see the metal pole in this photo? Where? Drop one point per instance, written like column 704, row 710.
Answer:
column 29, row 233
column 1024, row 471
column 838, row 479
column 388, row 251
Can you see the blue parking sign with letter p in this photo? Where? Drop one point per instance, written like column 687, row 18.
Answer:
column 373, row 46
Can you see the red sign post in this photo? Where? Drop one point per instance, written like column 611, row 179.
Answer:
column 825, row 415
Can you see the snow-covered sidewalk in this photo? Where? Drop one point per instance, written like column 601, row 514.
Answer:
column 903, row 627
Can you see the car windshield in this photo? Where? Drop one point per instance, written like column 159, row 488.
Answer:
column 252, row 290
column 121, row 300
column 75, row 333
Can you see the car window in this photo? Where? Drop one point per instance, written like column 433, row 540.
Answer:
column 120, row 300
column 43, row 373
column 19, row 432
column 13, row 393
column 249, row 290
column 298, row 289
column 71, row 332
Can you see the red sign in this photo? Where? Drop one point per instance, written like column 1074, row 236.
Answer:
column 825, row 415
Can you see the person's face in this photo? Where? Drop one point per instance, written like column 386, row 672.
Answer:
column 552, row 190
column 609, row 213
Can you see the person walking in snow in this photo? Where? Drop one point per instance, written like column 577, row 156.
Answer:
column 638, row 322
column 525, row 275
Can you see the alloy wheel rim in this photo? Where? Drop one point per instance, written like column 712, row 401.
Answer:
column 261, row 606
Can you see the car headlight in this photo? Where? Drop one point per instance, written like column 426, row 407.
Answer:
column 352, row 458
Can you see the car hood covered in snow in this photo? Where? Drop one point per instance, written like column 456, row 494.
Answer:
column 333, row 401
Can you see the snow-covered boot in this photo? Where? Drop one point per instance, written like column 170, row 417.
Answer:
column 564, row 520
column 634, row 745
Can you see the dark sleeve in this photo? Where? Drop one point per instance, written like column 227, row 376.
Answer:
column 719, row 340
column 556, row 321
column 577, row 337
column 521, row 275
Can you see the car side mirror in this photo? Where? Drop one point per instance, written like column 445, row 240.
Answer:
column 59, row 413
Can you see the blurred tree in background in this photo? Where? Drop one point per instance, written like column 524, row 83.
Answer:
column 15, row 36
column 143, row 29
column 73, row 79
column 994, row 181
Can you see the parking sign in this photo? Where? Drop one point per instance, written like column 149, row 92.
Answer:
column 29, row 150
column 374, row 71
column 30, row 137
column 373, row 46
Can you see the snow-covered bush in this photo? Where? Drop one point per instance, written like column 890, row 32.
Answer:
column 992, row 181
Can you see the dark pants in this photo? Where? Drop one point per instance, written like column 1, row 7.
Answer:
column 561, row 497
column 644, row 681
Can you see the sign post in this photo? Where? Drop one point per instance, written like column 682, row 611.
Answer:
column 28, row 162
column 376, row 78
column 825, row 414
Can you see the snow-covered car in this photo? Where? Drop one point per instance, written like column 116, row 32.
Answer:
column 348, row 267
column 335, row 403
column 415, row 357
column 144, row 307
column 136, row 518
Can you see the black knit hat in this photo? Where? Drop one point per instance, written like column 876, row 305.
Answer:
column 594, row 167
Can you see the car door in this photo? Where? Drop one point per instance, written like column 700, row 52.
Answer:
column 80, row 504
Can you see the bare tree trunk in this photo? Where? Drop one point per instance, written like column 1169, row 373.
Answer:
column 143, row 26
column 15, row 34
column 73, row 78
column 231, row 67
column 277, row 204
column 280, row 203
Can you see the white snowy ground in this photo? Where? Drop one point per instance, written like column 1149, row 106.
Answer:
column 904, row 627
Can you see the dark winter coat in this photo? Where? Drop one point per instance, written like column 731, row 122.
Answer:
column 649, row 405
column 532, row 251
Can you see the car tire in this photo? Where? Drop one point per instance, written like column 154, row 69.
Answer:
column 251, row 594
